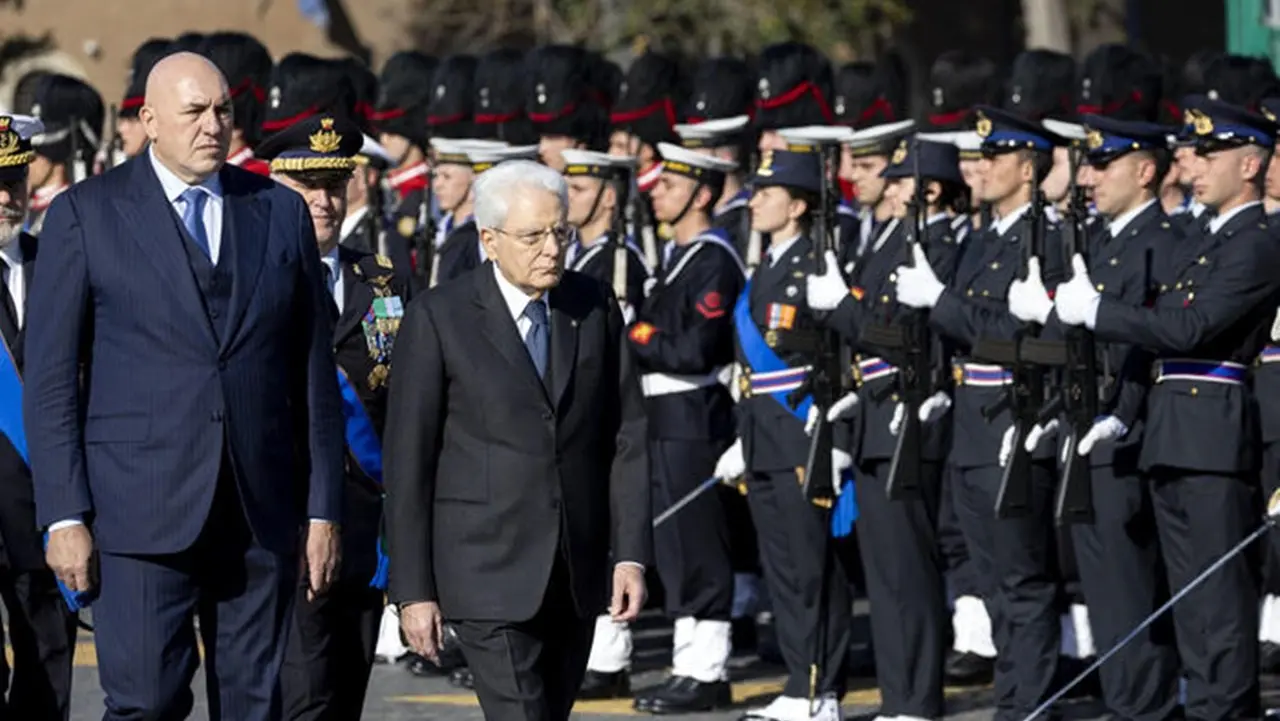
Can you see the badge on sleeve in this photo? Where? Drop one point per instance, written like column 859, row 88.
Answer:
column 711, row 305
column 641, row 333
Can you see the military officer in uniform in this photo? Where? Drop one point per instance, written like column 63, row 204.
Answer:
column 330, row 649
column 36, row 684
column 866, row 156
column 72, row 113
column 904, row 585
column 133, row 138
column 1014, row 557
column 683, row 340
column 1204, row 331
column 725, row 139
column 774, row 333
column 400, row 115
column 597, row 185
column 1118, row 554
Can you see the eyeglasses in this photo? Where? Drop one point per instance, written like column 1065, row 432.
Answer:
column 563, row 235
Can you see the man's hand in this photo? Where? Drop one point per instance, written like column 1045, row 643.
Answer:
column 69, row 553
column 423, row 627
column 732, row 463
column 324, row 554
column 628, row 593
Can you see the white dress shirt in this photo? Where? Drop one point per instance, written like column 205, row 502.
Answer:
column 174, row 187
column 334, row 277
column 777, row 250
column 353, row 221
column 1221, row 219
column 1117, row 226
column 11, row 256
column 1003, row 225
column 517, row 300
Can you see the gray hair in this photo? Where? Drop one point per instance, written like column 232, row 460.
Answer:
column 494, row 188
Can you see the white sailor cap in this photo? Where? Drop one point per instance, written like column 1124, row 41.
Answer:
column 1074, row 132
column 373, row 152
column 595, row 164
column 455, row 151
column 700, row 167
column 809, row 138
column 714, row 133
column 879, row 139
column 484, row 158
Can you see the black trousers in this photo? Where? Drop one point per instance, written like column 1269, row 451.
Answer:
column 955, row 554
column 1015, row 564
column 1124, row 581
column 330, row 652
column 1271, row 555
column 811, row 613
column 1200, row 517
column 42, row 633
column 905, row 589
column 530, row 670
column 692, row 548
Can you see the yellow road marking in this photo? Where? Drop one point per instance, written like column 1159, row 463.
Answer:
column 743, row 692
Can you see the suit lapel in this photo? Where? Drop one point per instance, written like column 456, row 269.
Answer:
column 564, row 345
column 500, row 328
column 357, row 296
column 243, row 218
column 154, row 228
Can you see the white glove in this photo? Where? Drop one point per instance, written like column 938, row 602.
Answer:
column 935, row 407
column 1006, row 447
column 1104, row 430
column 895, row 423
column 1077, row 300
column 842, row 408
column 840, row 462
column 732, row 464
column 649, row 284
column 628, row 313
column 1028, row 300
column 1039, row 433
column 825, row 292
column 1275, row 327
column 917, row 286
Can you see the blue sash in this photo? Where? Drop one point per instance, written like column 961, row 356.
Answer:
column 12, row 428
column 362, row 441
column 760, row 357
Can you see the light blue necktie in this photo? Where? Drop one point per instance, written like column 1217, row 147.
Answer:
column 536, row 339
column 193, row 218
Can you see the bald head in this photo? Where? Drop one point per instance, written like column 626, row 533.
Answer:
column 187, row 116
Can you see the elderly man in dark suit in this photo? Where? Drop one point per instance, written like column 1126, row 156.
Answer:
column 179, row 343
column 515, row 455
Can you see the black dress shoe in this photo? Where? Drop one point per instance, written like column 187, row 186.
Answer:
column 420, row 666
column 969, row 669
column 689, row 695
column 463, row 678
column 644, row 701
column 598, row 685
column 1269, row 657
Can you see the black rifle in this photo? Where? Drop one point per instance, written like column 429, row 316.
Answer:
column 424, row 239
column 1025, row 395
column 830, row 358
column 910, row 346
column 1079, row 361
column 618, row 224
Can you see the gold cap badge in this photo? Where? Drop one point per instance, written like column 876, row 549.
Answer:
column 983, row 126
column 1204, row 124
column 325, row 140
column 1094, row 138
column 900, row 153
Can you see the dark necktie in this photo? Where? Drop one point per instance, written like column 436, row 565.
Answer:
column 536, row 339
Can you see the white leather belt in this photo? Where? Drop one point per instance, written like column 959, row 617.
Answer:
column 662, row 384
